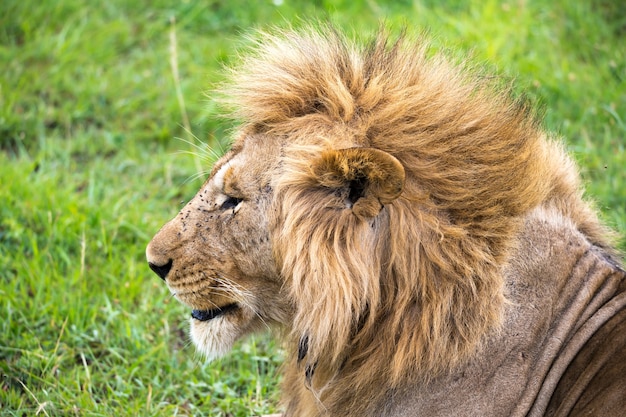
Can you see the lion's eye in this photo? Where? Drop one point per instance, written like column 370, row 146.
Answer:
column 231, row 202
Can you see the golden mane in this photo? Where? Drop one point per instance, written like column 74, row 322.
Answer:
column 425, row 275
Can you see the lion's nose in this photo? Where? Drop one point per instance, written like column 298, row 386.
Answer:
column 161, row 270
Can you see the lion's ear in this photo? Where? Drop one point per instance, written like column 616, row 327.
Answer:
column 371, row 177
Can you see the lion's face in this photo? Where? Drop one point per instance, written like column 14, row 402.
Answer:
column 242, row 253
column 216, row 255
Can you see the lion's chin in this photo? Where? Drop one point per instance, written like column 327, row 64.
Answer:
column 214, row 334
column 214, row 338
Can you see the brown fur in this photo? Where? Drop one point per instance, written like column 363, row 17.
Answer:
column 384, row 193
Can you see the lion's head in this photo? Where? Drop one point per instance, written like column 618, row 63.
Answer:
column 367, row 205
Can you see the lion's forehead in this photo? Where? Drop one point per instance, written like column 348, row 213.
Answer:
column 232, row 169
column 251, row 162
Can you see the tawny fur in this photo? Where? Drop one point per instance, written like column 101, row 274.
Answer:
column 408, row 287
column 475, row 161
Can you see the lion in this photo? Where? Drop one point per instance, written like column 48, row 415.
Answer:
column 419, row 240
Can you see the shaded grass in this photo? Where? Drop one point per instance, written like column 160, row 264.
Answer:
column 89, row 170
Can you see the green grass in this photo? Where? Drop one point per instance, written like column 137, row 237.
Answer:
column 90, row 169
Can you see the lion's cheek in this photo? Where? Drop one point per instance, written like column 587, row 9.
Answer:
column 216, row 337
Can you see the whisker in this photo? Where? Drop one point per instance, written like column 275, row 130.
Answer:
column 230, row 288
column 260, row 318
column 203, row 150
column 201, row 147
column 196, row 176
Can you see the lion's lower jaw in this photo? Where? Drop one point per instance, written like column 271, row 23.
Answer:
column 214, row 338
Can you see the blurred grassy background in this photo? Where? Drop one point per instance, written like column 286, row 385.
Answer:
column 90, row 168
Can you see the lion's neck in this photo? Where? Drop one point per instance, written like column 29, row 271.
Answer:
column 545, row 309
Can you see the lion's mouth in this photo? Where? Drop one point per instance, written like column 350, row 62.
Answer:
column 206, row 315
